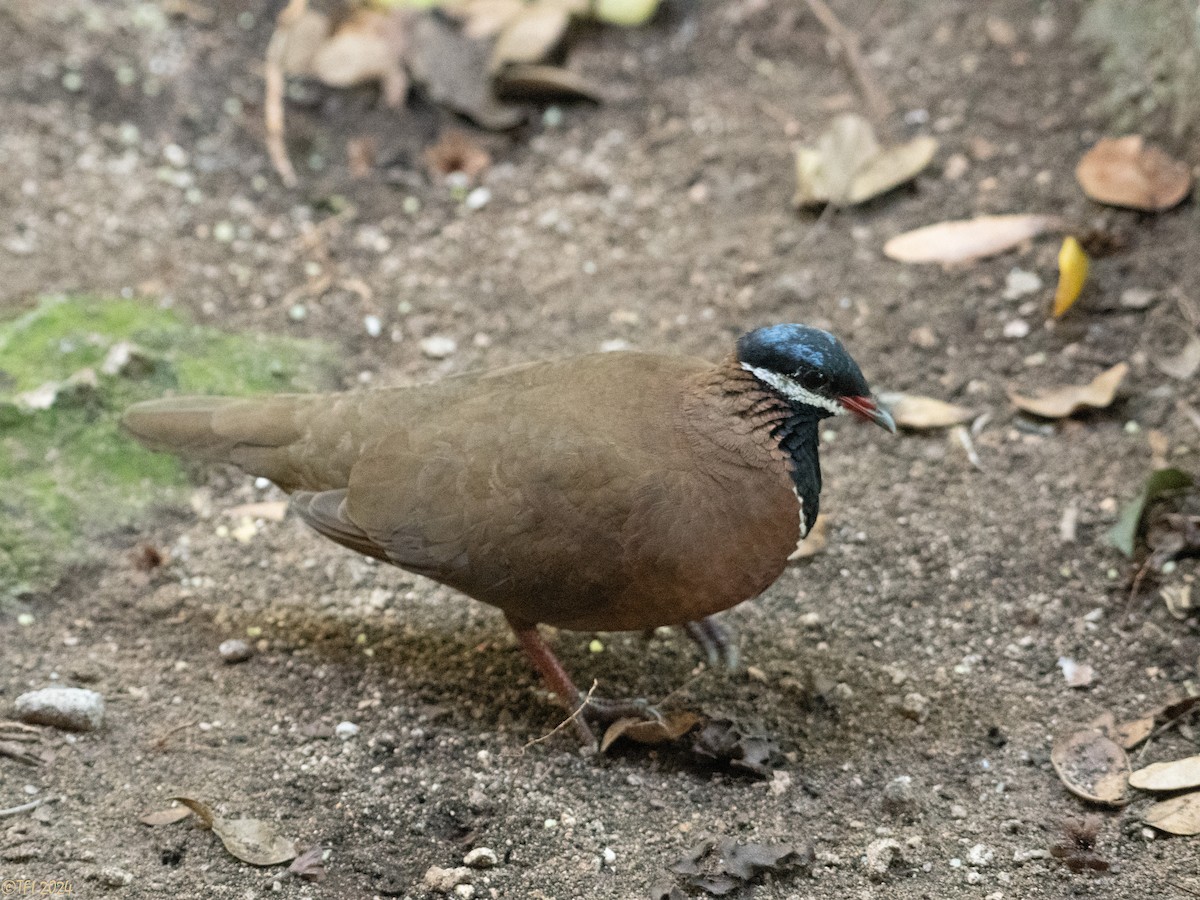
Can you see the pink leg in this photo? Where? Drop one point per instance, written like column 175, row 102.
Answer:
column 552, row 673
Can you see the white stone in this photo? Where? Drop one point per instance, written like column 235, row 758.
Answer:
column 74, row 709
column 481, row 858
column 345, row 730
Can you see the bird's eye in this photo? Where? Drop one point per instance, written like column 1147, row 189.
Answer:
column 813, row 380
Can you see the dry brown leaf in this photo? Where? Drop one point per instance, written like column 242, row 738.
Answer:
column 253, row 841
column 531, row 37
column 814, row 542
column 1130, row 734
column 297, row 40
column 271, row 510
column 650, row 731
column 918, row 412
column 1061, row 402
column 530, row 81
column 483, row 19
column 453, row 69
column 1092, row 766
column 1168, row 776
column 1179, row 815
column 368, row 46
column 847, row 166
column 968, row 239
column 1184, row 364
column 168, row 816
column 1127, row 172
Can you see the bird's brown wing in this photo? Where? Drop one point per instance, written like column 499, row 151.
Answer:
column 325, row 512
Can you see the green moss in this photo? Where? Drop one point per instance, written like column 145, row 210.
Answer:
column 67, row 473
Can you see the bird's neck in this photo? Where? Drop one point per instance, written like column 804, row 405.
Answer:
column 749, row 421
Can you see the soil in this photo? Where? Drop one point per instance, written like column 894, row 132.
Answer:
column 659, row 220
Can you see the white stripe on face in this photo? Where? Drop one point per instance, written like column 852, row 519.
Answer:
column 793, row 391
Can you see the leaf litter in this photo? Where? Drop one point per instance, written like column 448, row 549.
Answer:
column 919, row 413
column 253, row 841
column 1061, row 402
column 1128, row 172
column 1123, row 535
column 967, row 240
column 847, row 165
column 1092, row 766
column 1072, row 273
column 718, row 868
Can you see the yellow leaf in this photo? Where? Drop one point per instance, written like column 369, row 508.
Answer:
column 1072, row 273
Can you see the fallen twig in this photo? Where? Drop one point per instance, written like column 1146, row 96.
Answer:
column 569, row 720
column 26, row 807
column 877, row 102
column 274, row 91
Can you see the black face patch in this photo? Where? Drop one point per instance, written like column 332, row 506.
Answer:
column 813, row 358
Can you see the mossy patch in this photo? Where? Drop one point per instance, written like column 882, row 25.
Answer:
column 67, row 473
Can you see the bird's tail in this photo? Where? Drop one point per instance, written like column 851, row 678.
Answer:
column 266, row 436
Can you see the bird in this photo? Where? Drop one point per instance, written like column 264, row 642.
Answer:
column 610, row 491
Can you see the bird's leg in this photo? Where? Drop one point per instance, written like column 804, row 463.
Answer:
column 553, row 674
column 596, row 710
column 714, row 639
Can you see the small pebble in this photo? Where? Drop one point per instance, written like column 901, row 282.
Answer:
column 466, row 891
column 478, row 198
column 345, row 730
column 438, row 346
column 915, row 706
column 73, row 709
column 445, row 880
column 481, row 858
column 112, row 876
column 1020, row 283
column 899, row 798
column 1016, row 329
column 373, row 326
column 882, row 855
column 235, row 651
column 980, row 855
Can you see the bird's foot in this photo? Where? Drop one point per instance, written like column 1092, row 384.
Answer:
column 716, row 642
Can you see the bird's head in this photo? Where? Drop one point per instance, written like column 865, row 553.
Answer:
column 812, row 370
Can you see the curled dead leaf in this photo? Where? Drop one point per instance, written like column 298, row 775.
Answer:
column 1127, row 172
column 1184, row 364
column 918, row 412
column 253, row 841
column 368, row 46
column 847, row 166
column 1061, row 402
column 1168, row 776
column 968, row 239
column 531, row 37
column 530, row 81
column 1179, row 815
column 1092, row 766
column 1130, row 734
column 168, row 816
column 650, row 731
column 1072, row 273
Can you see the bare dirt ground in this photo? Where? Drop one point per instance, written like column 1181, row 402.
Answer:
column 661, row 220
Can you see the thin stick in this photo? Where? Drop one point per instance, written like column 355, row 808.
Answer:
column 274, row 90
column 877, row 101
column 569, row 720
column 25, row 807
